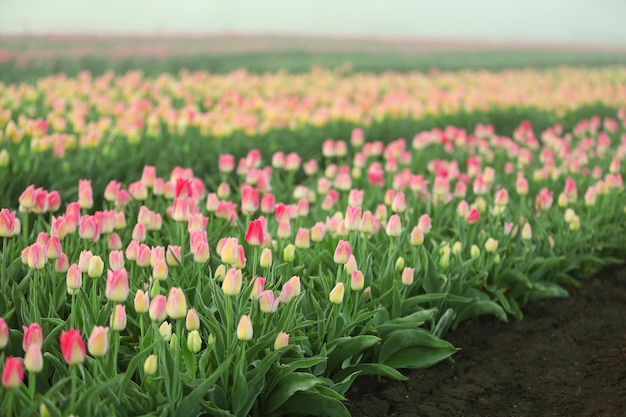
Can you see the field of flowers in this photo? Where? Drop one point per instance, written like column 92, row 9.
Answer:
column 234, row 245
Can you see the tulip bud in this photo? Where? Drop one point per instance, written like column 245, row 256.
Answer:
column 194, row 342
column 474, row 251
column 62, row 264
column 142, row 302
column 342, row 252
column 172, row 255
column 336, row 294
column 357, row 280
column 72, row 347
column 117, row 287
column 266, row 258
column 289, row 253
column 33, row 359
column 12, row 372
column 394, row 226
column 399, row 263
column 407, row 276
column 220, row 272
column 192, row 321
column 32, row 335
column 74, row 279
column 303, row 240
column 491, row 245
column 118, row 318
column 230, row 251
column 4, row 333
column 165, row 329
column 258, row 286
column 457, row 247
column 267, row 302
column 96, row 267
column 160, row 271
column 232, row 282
column 157, row 309
column 176, row 304
column 98, row 343
column 282, row 340
column 351, row 264
column 244, row 328
column 417, row 236
column 150, row 365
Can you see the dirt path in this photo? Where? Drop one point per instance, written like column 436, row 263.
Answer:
column 566, row 358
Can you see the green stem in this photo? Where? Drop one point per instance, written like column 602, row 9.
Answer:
column 255, row 260
column 228, row 323
column 141, row 329
column 35, row 297
column 73, row 388
column 25, row 231
column 116, row 349
column 94, row 294
column 95, row 369
column 5, row 263
column 330, row 331
column 181, row 233
column 10, row 404
column 72, row 308
column 32, row 382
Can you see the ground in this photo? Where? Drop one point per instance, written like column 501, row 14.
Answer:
column 567, row 357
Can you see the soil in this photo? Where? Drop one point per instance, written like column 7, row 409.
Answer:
column 567, row 357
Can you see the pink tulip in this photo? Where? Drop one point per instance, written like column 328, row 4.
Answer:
column 72, row 347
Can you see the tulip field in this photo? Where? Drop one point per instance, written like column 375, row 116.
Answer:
column 250, row 244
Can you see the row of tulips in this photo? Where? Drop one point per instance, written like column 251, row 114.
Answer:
column 269, row 291
column 60, row 113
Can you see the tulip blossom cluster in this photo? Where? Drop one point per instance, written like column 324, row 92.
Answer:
column 137, row 107
column 177, row 281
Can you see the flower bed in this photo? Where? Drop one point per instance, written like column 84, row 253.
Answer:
column 268, row 288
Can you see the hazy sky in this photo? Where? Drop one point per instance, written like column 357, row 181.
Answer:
column 577, row 21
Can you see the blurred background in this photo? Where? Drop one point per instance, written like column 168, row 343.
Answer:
column 40, row 37
column 596, row 22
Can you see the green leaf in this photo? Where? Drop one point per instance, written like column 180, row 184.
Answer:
column 239, row 396
column 407, row 322
column 444, row 322
column 289, row 385
column 344, row 384
column 311, row 404
column 478, row 308
column 417, row 300
column 545, row 290
column 377, row 369
column 414, row 348
column 214, row 410
column 191, row 400
column 433, row 282
column 346, row 347
column 90, row 397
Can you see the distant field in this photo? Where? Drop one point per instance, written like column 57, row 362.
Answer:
column 28, row 57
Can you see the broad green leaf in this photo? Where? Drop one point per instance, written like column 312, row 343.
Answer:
column 444, row 322
column 346, row 347
column 305, row 403
column 415, row 339
column 289, row 385
column 344, row 384
column 479, row 308
column 407, row 322
column 545, row 290
column 377, row 369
